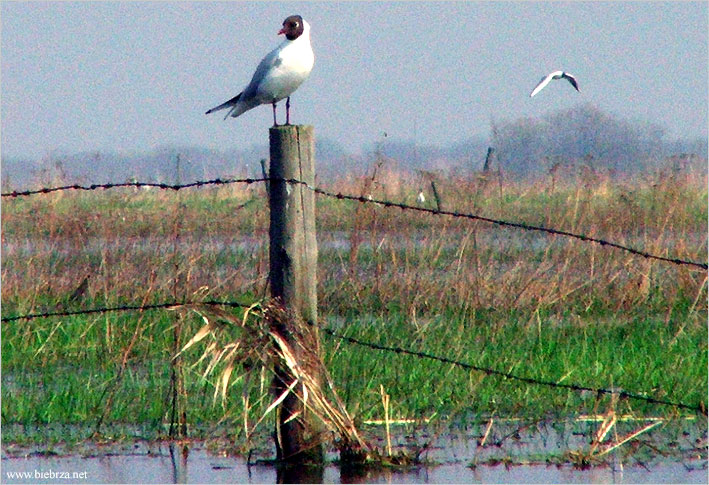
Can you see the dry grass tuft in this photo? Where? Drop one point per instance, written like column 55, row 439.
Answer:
column 597, row 450
column 251, row 346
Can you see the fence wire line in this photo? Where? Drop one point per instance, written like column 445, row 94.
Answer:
column 518, row 225
column 398, row 350
column 199, row 183
column 122, row 308
column 366, row 200
column 529, row 380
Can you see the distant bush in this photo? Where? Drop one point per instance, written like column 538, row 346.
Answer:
column 583, row 134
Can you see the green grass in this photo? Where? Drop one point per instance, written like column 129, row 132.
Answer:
column 67, row 381
column 637, row 355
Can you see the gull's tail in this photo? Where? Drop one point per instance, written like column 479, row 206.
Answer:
column 229, row 104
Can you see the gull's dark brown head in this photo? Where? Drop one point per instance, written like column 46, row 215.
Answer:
column 292, row 27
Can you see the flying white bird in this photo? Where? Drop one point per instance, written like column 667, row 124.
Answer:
column 280, row 73
column 555, row 75
column 421, row 198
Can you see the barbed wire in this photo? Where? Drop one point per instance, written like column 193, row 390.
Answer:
column 529, row 380
column 367, row 200
column 398, row 350
column 519, row 225
column 175, row 187
column 122, row 308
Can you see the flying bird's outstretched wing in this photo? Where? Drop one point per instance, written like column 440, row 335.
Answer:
column 544, row 81
column 555, row 75
column 572, row 80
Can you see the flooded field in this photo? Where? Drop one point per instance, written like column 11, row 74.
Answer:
column 451, row 322
column 513, row 454
column 201, row 467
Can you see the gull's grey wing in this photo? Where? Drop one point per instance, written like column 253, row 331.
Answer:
column 269, row 62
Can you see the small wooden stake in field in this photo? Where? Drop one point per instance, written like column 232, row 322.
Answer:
column 293, row 276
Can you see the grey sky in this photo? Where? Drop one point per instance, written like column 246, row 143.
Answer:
column 127, row 77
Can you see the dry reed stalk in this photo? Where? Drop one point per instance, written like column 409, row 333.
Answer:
column 621, row 418
column 627, row 438
column 385, row 403
column 256, row 348
column 361, row 211
column 305, row 368
column 375, row 422
column 486, row 433
column 606, row 425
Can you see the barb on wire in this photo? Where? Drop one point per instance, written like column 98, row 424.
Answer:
column 199, row 183
column 362, row 199
column 123, row 308
column 506, row 375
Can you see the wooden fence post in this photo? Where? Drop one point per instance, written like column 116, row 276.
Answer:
column 293, row 277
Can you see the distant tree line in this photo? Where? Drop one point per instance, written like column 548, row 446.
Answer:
column 584, row 134
column 522, row 147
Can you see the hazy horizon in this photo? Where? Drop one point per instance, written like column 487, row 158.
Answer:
column 131, row 77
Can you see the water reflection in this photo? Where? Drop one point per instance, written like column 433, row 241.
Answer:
column 300, row 474
column 456, row 457
column 178, row 464
column 178, row 457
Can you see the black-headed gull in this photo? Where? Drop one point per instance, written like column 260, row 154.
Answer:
column 280, row 73
column 555, row 75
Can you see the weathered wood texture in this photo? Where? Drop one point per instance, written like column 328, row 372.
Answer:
column 293, row 276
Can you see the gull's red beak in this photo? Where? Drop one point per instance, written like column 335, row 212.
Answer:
column 282, row 31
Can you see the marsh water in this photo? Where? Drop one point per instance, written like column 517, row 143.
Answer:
column 201, row 467
column 523, row 455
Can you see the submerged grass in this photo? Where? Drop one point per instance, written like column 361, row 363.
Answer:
column 523, row 303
